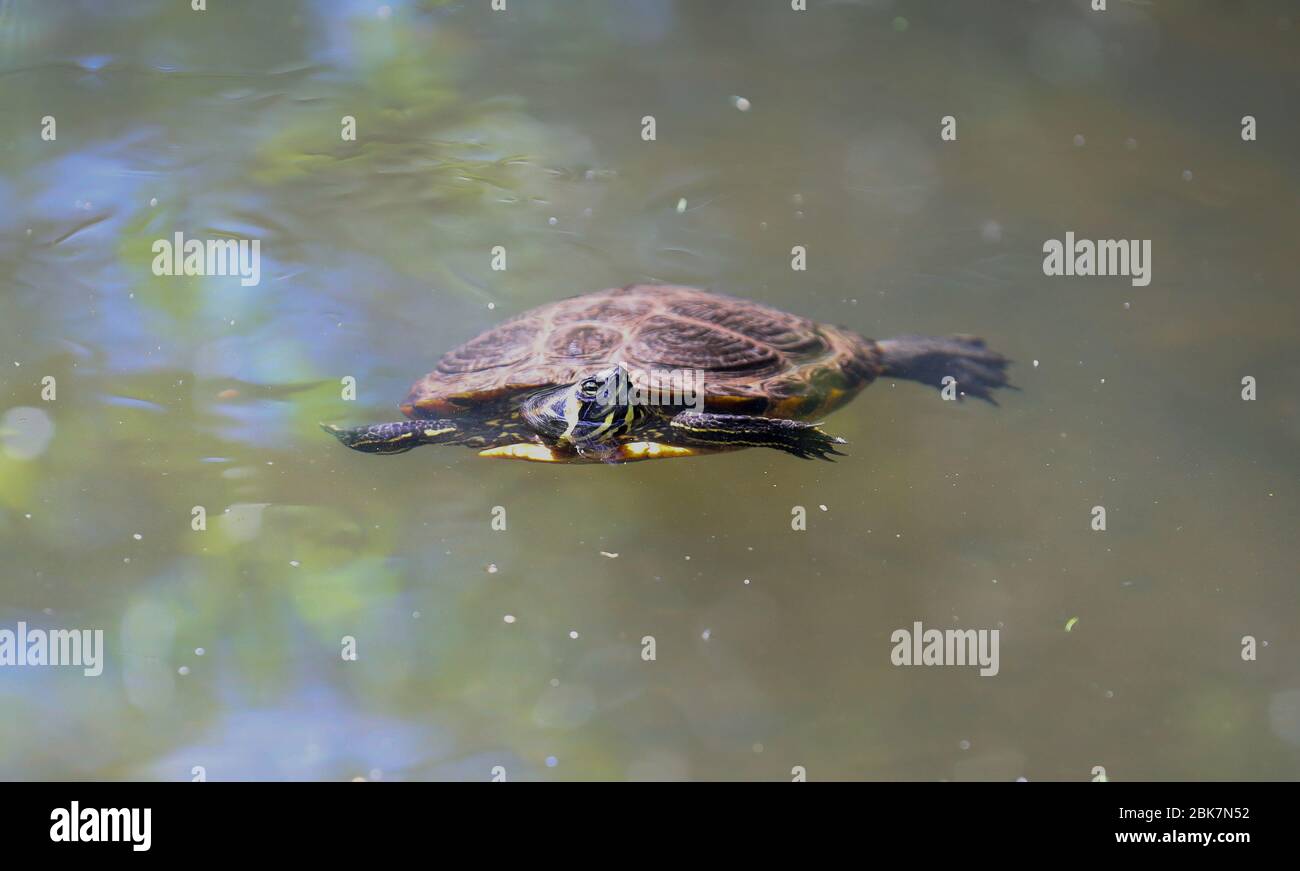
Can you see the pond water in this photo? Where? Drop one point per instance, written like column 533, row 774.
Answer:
column 524, row 648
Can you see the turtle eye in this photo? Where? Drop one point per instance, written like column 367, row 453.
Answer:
column 589, row 388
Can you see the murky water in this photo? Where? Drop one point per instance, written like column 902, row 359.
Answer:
column 523, row 648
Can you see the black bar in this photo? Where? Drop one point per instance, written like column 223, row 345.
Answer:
column 1059, row 821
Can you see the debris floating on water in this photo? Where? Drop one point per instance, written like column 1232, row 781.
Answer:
column 1069, row 624
column 608, row 554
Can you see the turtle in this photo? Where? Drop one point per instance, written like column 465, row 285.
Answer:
column 655, row 371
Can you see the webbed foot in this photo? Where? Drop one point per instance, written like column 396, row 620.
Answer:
column 929, row 359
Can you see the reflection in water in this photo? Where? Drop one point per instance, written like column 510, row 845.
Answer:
column 477, row 130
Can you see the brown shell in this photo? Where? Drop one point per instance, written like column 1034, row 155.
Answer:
column 755, row 359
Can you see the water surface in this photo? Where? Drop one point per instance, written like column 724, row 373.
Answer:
column 523, row 129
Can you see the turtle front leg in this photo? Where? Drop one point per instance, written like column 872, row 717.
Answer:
column 398, row 437
column 699, row 429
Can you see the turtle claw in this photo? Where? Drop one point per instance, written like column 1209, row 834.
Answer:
column 812, row 443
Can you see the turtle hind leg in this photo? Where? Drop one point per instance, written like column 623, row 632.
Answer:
column 395, row 438
column 929, row 359
column 805, row 440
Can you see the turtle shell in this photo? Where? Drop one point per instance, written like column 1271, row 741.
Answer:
column 753, row 359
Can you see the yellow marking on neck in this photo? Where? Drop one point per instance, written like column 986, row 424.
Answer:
column 430, row 433
column 603, row 428
column 524, row 451
column 572, row 409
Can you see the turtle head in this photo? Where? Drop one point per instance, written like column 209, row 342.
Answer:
column 596, row 408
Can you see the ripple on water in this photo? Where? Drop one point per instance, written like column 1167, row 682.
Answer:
column 131, row 402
